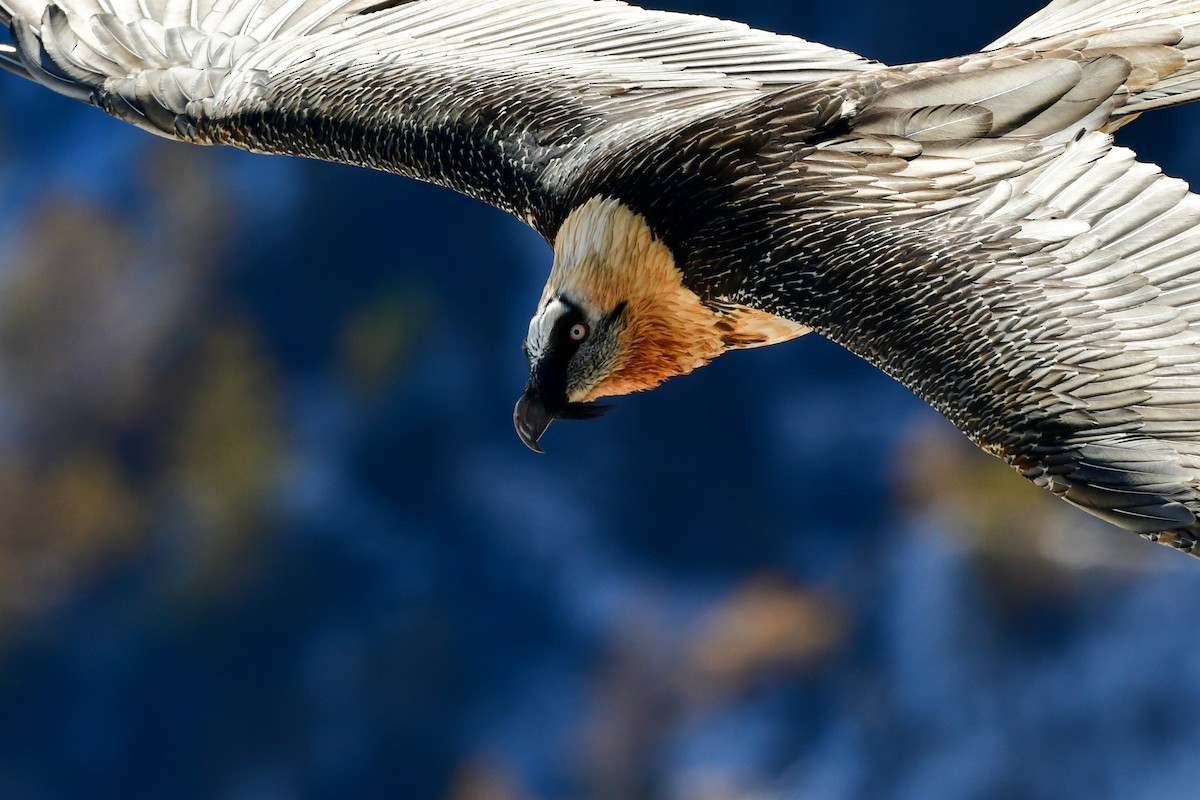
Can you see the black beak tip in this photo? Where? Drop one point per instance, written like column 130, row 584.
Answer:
column 531, row 420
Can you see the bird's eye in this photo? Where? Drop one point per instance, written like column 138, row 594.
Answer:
column 578, row 332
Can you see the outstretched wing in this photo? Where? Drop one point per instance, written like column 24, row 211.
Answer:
column 477, row 96
column 976, row 234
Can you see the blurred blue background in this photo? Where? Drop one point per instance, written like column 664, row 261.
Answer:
column 266, row 531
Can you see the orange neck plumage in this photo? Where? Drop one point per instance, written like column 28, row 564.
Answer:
column 605, row 254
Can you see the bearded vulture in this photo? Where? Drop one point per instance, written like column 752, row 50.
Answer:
column 966, row 224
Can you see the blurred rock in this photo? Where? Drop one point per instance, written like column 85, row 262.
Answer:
column 634, row 704
column 661, row 680
column 94, row 304
column 481, row 780
column 99, row 311
column 61, row 524
column 767, row 628
column 1031, row 545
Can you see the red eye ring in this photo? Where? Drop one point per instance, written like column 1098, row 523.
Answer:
column 578, row 332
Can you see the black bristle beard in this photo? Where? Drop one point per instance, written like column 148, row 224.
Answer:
column 584, row 411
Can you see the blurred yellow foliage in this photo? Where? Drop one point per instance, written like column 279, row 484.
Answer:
column 379, row 337
column 226, row 450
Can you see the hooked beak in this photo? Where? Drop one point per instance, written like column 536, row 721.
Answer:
column 531, row 419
